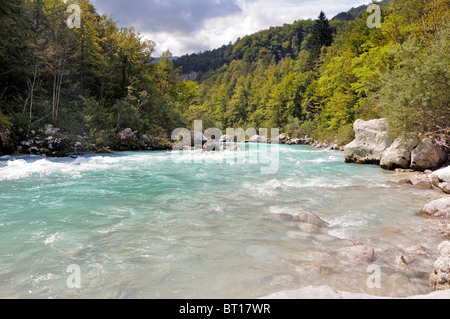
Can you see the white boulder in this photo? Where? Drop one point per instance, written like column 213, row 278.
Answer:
column 371, row 140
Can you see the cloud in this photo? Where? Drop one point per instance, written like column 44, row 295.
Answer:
column 187, row 26
column 167, row 15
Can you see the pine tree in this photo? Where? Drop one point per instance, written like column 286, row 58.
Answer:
column 322, row 36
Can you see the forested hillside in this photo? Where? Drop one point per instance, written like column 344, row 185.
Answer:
column 322, row 83
column 275, row 43
column 310, row 78
column 91, row 81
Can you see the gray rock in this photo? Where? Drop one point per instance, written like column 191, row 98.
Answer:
column 424, row 184
column 398, row 155
column 441, row 179
column 440, row 277
column 405, row 182
column 126, row 134
column 437, row 209
column 283, row 138
column 371, row 141
column 254, row 139
column 33, row 150
column 335, row 147
column 429, row 154
column 358, row 254
column 311, row 218
column 49, row 129
column 212, row 146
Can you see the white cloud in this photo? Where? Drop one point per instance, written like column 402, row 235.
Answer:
column 220, row 21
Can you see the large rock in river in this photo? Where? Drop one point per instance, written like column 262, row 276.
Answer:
column 440, row 277
column 429, row 154
column 441, row 179
column 438, row 209
column 371, row 140
column 358, row 254
column 398, row 155
column 311, row 218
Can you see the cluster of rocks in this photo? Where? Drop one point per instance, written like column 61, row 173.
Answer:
column 439, row 180
column 373, row 145
column 287, row 140
column 199, row 142
column 357, row 254
column 310, row 222
column 50, row 141
column 129, row 140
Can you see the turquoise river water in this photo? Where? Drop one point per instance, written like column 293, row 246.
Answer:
column 142, row 225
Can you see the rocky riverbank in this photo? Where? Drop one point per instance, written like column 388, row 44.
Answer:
column 402, row 257
column 53, row 142
column 373, row 145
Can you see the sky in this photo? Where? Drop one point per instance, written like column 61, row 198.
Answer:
column 192, row 26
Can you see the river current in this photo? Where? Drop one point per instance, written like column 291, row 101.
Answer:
column 146, row 225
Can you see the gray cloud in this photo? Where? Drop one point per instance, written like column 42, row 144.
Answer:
column 176, row 16
column 187, row 26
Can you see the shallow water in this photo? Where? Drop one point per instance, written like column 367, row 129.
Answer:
column 140, row 225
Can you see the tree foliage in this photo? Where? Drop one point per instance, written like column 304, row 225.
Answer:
column 85, row 80
column 324, row 83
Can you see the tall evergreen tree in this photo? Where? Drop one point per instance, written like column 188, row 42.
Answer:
column 321, row 36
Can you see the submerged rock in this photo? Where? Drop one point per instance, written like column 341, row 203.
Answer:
column 437, row 209
column 429, row 154
column 441, row 179
column 371, row 140
column 440, row 277
column 358, row 254
column 424, row 184
column 311, row 218
column 405, row 182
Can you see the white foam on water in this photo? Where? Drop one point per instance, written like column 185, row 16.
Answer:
column 277, row 210
column 346, row 226
column 20, row 168
column 273, row 186
column 53, row 238
column 269, row 188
